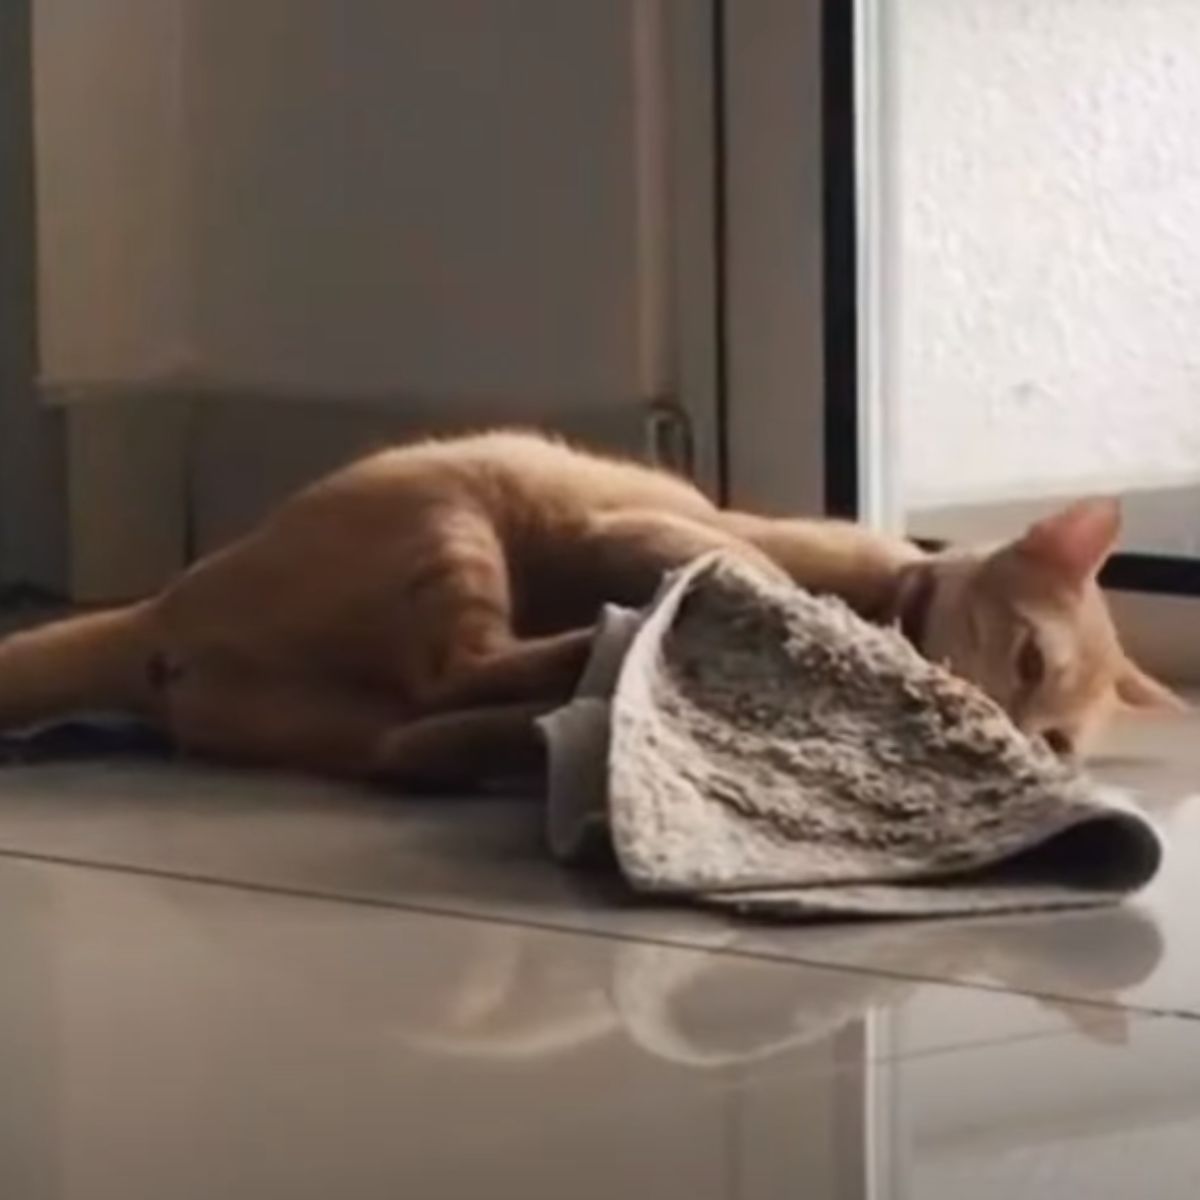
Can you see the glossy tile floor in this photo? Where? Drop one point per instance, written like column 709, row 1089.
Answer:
column 250, row 986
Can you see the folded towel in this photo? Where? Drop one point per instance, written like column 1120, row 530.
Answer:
column 747, row 745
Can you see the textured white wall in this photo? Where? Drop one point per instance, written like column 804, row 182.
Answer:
column 1049, row 182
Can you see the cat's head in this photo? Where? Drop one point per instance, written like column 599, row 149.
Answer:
column 1028, row 623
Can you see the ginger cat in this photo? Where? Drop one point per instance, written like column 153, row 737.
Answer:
column 407, row 617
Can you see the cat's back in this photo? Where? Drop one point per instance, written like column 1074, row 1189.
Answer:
column 511, row 474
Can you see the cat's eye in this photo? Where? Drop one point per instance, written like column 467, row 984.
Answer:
column 1031, row 663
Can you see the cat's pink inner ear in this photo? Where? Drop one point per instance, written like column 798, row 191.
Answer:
column 1136, row 689
column 1075, row 541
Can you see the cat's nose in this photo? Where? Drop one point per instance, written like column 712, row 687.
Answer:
column 1060, row 742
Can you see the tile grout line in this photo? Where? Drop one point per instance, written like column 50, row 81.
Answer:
column 296, row 892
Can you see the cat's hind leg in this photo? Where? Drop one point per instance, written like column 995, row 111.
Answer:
column 94, row 661
column 542, row 669
column 459, row 749
column 229, row 710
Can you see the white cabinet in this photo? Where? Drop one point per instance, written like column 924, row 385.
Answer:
column 442, row 198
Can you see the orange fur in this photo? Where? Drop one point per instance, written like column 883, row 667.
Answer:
column 410, row 614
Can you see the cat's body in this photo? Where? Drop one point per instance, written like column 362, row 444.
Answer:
column 409, row 615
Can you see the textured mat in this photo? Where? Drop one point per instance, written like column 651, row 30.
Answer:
column 747, row 745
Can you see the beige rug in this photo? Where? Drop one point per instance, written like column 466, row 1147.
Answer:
column 747, row 745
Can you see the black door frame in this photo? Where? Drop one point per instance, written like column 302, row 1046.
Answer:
column 839, row 174
column 1161, row 574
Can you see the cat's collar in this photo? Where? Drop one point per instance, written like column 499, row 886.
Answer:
column 912, row 601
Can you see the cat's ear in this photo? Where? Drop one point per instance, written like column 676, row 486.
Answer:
column 1076, row 541
column 1136, row 689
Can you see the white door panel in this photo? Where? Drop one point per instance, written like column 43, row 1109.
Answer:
column 410, row 213
column 435, row 197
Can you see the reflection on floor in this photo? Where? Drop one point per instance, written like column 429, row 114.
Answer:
column 244, row 986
